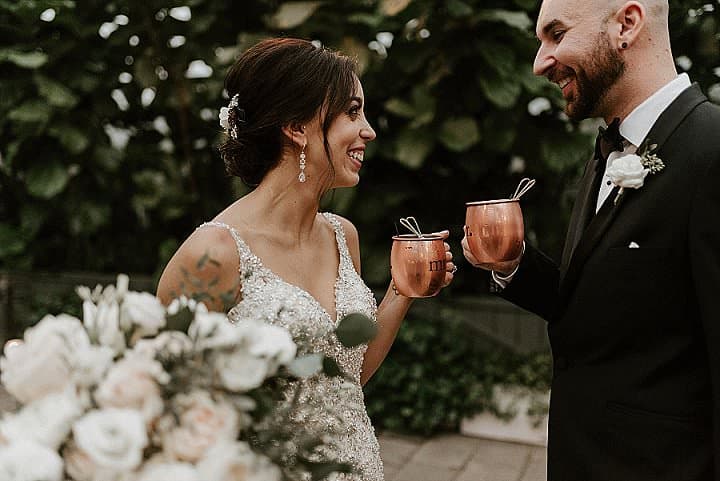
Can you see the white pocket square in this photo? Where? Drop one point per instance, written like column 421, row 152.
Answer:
column 634, row 245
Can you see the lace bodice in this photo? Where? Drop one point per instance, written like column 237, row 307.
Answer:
column 268, row 297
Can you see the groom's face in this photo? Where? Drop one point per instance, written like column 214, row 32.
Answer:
column 576, row 54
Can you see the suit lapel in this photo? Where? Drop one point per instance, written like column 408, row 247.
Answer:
column 668, row 121
column 582, row 210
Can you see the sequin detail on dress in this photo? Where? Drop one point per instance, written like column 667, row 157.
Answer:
column 266, row 296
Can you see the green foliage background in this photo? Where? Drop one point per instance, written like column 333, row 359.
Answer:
column 448, row 96
column 108, row 147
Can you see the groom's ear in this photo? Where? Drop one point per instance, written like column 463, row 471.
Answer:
column 296, row 134
column 630, row 18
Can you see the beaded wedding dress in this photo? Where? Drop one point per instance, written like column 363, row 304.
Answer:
column 268, row 297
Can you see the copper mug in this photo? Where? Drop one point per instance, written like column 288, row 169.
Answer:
column 417, row 264
column 494, row 230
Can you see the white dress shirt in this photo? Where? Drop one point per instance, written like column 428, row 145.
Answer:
column 636, row 126
column 634, row 129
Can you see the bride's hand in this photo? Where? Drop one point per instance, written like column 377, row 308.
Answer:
column 450, row 267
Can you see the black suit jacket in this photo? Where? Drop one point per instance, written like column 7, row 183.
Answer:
column 635, row 333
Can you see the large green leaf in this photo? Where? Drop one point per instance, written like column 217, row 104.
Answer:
column 292, row 14
column 73, row 139
column 519, row 20
column 47, row 180
column 458, row 8
column 504, row 93
column 459, row 134
column 55, row 93
column 29, row 60
column 400, row 108
column 31, row 111
column 412, row 147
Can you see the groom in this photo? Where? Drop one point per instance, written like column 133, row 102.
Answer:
column 633, row 308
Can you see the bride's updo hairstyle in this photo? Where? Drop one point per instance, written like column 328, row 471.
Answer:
column 280, row 82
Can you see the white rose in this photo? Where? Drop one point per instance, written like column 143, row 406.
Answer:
column 69, row 328
column 213, row 330
column 25, row 460
column 272, row 342
column 91, row 364
column 130, row 384
column 628, row 172
column 46, row 421
column 169, row 472
column 235, row 461
column 113, row 439
column 203, row 422
column 240, row 371
column 143, row 310
column 224, row 116
column 102, row 321
column 40, row 365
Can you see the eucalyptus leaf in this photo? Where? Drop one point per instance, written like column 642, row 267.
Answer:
column 306, row 366
column 331, row 367
column 47, row 180
column 355, row 329
column 459, row 134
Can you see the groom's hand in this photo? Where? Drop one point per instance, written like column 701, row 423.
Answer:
column 503, row 268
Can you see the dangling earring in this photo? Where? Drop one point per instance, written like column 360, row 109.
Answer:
column 301, row 176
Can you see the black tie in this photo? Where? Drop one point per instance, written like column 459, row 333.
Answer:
column 607, row 141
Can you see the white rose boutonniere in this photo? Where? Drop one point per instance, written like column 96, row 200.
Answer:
column 629, row 171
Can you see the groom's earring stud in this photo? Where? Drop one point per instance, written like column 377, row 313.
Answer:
column 624, row 45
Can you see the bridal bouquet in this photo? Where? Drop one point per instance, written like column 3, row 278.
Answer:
column 139, row 392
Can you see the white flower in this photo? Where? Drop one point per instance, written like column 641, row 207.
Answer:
column 213, row 330
column 46, row 421
column 167, row 343
column 235, row 461
column 272, row 342
column 113, row 439
column 91, row 364
column 240, row 371
column 224, row 117
column 40, row 365
column 130, row 384
column 203, row 422
column 102, row 321
column 26, row 460
column 168, row 472
column 628, row 172
column 143, row 310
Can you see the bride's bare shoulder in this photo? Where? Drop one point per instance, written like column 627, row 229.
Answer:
column 206, row 265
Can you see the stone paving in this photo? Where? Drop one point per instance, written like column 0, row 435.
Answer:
column 452, row 457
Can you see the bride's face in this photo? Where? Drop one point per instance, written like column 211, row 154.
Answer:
column 347, row 137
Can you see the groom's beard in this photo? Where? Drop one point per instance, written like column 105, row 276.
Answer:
column 605, row 66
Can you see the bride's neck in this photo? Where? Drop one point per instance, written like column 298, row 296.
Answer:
column 290, row 207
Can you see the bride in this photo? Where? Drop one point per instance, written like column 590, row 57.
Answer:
column 295, row 128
